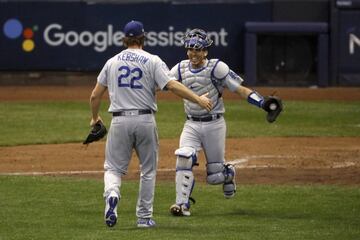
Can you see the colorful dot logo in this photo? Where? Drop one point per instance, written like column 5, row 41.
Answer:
column 13, row 29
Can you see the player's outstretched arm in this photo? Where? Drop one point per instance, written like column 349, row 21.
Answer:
column 244, row 92
column 183, row 92
column 271, row 104
column 251, row 96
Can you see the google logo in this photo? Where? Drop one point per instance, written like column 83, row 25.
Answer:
column 13, row 29
column 55, row 35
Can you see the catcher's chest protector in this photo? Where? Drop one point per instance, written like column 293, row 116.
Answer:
column 200, row 82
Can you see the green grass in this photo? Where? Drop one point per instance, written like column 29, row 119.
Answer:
column 59, row 122
column 70, row 208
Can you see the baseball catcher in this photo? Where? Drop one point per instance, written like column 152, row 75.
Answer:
column 97, row 132
column 206, row 130
column 273, row 106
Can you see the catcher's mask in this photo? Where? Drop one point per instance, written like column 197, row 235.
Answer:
column 197, row 39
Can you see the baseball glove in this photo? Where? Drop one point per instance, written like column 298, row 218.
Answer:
column 97, row 132
column 273, row 106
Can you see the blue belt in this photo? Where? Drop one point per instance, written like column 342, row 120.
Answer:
column 132, row 112
column 205, row 119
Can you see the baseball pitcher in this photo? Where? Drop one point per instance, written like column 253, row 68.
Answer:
column 131, row 78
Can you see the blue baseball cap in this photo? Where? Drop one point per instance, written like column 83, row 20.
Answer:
column 134, row 29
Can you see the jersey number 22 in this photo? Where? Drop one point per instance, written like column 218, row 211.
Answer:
column 128, row 77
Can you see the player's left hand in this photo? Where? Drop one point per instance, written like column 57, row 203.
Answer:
column 205, row 102
column 273, row 106
column 98, row 131
column 93, row 121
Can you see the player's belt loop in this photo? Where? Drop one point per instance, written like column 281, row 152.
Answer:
column 205, row 119
column 132, row 112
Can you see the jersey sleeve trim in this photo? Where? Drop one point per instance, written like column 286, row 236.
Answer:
column 179, row 72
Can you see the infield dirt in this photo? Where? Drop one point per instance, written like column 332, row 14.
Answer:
column 278, row 160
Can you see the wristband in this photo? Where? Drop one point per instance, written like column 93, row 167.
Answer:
column 255, row 99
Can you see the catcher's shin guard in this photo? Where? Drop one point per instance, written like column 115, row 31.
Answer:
column 219, row 173
column 186, row 159
column 229, row 186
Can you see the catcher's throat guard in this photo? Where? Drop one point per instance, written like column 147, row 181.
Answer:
column 97, row 132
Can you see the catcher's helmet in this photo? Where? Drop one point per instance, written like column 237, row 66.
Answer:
column 197, row 39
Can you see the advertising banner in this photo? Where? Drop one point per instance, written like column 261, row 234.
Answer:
column 80, row 36
column 349, row 47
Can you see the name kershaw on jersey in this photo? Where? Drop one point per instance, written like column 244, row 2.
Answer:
column 132, row 57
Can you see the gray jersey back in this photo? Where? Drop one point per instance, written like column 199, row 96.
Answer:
column 132, row 77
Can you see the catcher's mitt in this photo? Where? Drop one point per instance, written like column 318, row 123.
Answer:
column 273, row 106
column 97, row 132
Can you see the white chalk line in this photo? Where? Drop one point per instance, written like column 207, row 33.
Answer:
column 241, row 163
column 343, row 165
column 68, row 172
column 49, row 173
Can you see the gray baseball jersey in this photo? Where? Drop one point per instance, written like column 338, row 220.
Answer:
column 212, row 78
column 132, row 77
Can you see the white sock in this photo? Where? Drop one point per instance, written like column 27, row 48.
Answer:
column 112, row 184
